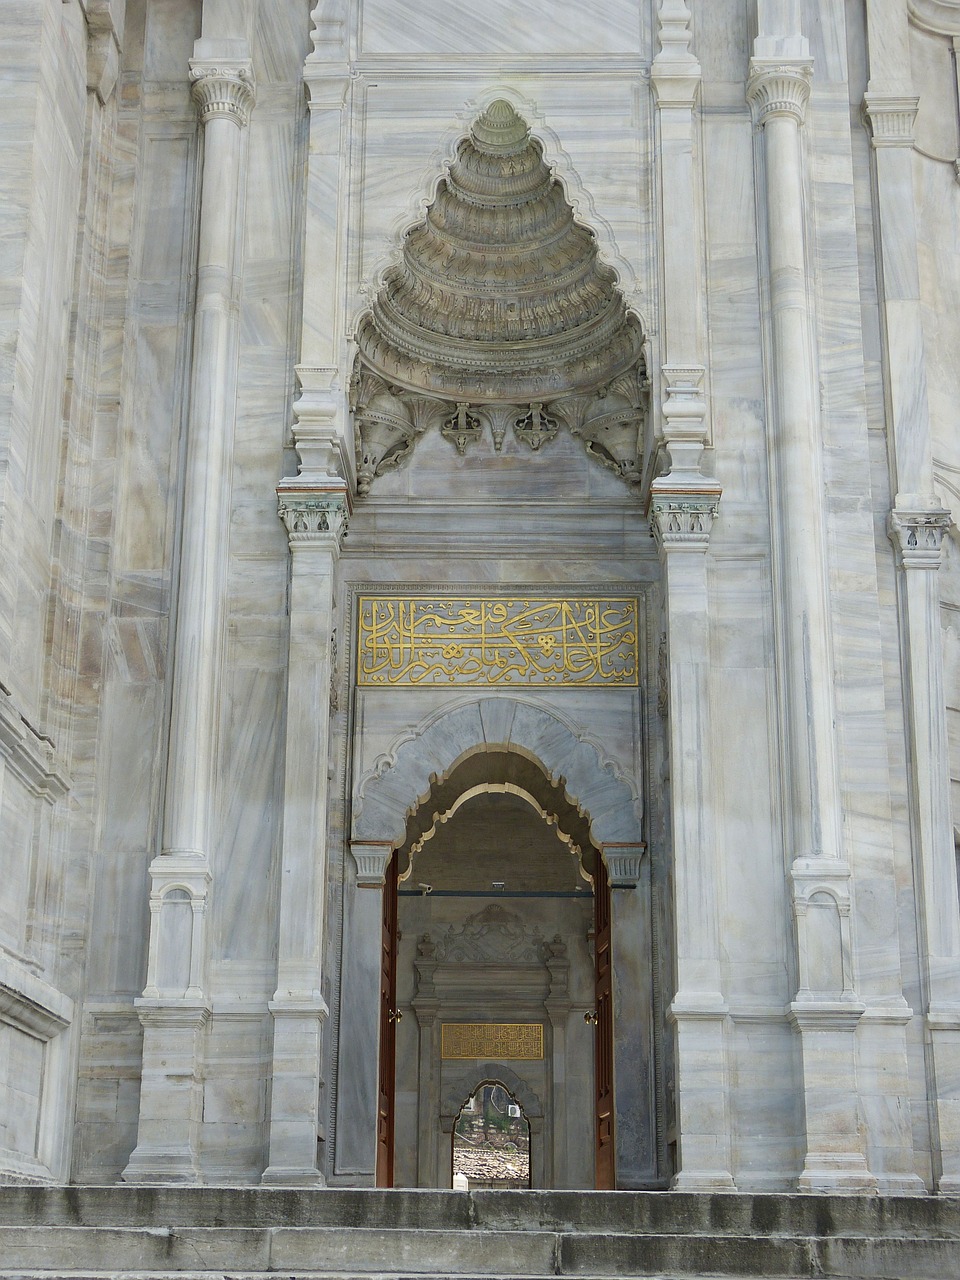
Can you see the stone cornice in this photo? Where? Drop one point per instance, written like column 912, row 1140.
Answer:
column 313, row 516
column 29, row 755
column 223, row 89
column 891, row 118
column 917, row 537
column 779, row 87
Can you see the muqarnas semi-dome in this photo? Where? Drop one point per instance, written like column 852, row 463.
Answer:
column 500, row 294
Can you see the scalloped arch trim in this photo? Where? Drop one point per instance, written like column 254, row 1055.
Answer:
column 496, row 724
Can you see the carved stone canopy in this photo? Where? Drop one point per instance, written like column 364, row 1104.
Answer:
column 500, row 314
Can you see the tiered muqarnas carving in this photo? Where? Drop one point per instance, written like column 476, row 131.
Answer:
column 500, row 313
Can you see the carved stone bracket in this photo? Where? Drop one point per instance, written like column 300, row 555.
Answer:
column 777, row 87
column 104, row 42
column 223, row 89
column 29, row 754
column 371, row 858
column 683, row 522
column 623, row 862
column 890, row 118
column 917, row 537
column 312, row 515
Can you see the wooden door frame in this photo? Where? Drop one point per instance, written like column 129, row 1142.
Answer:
column 387, row 1072
column 604, row 1094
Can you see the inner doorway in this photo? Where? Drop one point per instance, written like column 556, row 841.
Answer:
column 491, row 1141
column 498, row 940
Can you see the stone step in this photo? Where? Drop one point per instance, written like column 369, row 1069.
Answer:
column 365, row 1251
column 623, row 1212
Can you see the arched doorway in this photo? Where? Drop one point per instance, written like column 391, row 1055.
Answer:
column 497, row 855
column 497, row 939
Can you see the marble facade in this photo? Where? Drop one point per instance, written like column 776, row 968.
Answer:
column 203, row 203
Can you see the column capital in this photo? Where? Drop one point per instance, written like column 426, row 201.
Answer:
column 675, row 74
column 890, row 118
column 371, row 857
column 315, row 517
column 623, row 862
column 779, row 87
column 223, row 89
column 683, row 521
column 917, row 536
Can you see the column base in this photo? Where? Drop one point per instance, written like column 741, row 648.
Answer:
column 840, row 1175
column 278, row 1176
column 155, row 1169
column 703, row 1180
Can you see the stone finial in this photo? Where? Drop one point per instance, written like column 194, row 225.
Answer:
column 223, row 90
column 777, row 87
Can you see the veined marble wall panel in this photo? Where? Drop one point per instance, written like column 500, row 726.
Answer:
column 766, row 1102
column 550, row 27
column 234, row 1096
column 721, row 42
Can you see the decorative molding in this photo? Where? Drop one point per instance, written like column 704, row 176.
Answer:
column 825, row 1015
column 777, row 87
column 941, row 17
column 30, row 1004
column 313, row 516
column 683, row 522
column 223, row 90
column 492, row 934
column 891, row 119
column 105, row 21
column 917, row 537
column 29, row 754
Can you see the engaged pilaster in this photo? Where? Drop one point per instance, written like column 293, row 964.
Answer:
column 826, row 1009
column 174, row 1012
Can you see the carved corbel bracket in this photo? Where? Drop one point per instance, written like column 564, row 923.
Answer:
column 890, row 118
column 104, row 43
column 372, row 859
column 917, row 537
column 779, row 87
column 313, row 516
column 223, row 89
column 623, row 863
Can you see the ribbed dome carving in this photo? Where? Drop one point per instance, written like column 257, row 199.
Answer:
column 500, row 295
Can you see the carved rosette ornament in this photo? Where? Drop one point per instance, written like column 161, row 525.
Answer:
column 779, row 89
column 499, row 315
column 223, row 91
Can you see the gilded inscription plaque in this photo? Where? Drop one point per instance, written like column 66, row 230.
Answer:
column 491, row 1040
column 446, row 640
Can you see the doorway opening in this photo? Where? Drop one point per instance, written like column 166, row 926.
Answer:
column 491, row 1141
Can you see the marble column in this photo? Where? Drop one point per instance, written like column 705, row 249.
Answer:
column 826, row 1011
column 172, row 1015
column 315, row 516
column 359, row 1058
column 681, row 524
column 917, row 525
column 683, row 505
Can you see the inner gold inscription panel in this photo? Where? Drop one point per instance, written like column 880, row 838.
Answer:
column 491, row 1040
column 494, row 641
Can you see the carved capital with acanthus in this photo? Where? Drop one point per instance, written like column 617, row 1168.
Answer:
column 917, row 537
column 223, row 89
column 683, row 522
column 891, row 119
column 778, row 87
column 313, row 517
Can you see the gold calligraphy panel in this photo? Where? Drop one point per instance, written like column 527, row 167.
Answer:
column 447, row 640
column 491, row 1040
